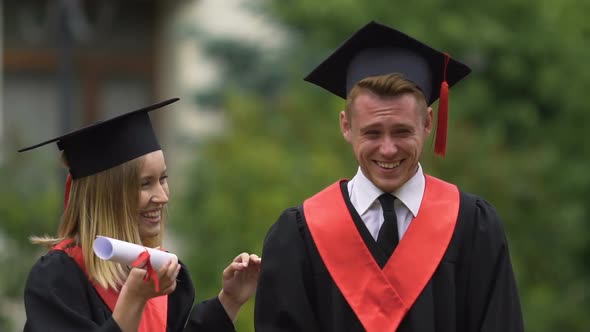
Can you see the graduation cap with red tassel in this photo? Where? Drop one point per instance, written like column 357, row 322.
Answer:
column 377, row 49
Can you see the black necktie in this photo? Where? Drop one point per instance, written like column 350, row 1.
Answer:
column 388, row 238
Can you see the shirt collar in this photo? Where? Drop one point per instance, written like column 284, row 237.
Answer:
column 412, row 191
column 365, row 192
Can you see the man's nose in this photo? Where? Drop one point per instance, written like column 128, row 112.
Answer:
column 388, row 146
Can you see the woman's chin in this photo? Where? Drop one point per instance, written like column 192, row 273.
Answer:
column 149, row 231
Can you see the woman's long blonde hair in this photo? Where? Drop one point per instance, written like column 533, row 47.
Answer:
column 105, row 203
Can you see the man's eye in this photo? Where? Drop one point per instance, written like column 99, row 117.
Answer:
column 404, row 132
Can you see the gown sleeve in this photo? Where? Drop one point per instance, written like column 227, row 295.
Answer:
column 183, row 315
column 57, row 299
column 492, row 294
column 209, row 316
column 282, row 300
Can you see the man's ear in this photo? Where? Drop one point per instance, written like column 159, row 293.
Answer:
column 345, row 126
column 428, row 121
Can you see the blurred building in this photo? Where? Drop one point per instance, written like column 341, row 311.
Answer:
column 67, row 63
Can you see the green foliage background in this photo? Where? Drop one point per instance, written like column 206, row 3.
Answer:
column 517, row 136
column 30, row 203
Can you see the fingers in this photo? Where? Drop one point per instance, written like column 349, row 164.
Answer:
column 243, row 261
column 245, row 258
column 239, row 263
column 242, row 258
column 173, row 270
column 168, row 269
column 137, row 273
column 255, row 259
column 168, row 289
column 232, row 269
column 167, row 275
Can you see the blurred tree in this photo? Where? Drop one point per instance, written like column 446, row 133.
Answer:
column 516, row 136
column 30, row 204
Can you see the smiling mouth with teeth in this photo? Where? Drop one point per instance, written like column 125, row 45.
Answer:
column 151, row 215
column 388, row 165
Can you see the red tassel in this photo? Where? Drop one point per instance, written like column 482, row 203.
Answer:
column 67, row 190
column 440, row 144
column 143, row 261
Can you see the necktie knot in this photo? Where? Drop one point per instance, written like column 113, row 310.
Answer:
column 386, row 201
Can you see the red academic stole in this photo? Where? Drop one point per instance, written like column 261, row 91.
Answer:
column 155, row 313
column 381, row 298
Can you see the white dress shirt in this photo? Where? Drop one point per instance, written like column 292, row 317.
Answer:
column 363, row 196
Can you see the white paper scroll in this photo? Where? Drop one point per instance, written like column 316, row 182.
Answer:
column 126, row 253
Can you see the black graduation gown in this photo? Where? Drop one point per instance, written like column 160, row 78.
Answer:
column 473, row 288
column 59, row 298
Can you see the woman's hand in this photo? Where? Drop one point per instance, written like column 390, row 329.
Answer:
column 239, row 282
column 137, row 287
column 136, row 292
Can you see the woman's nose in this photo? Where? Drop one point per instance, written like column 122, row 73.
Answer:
column 160, row 195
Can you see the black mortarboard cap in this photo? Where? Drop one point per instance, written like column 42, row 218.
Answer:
column 108, row 143
column 377, row 49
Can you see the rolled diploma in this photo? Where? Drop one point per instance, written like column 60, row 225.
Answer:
column 126, row 253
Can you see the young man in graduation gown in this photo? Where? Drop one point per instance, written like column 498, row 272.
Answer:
column 393, row 249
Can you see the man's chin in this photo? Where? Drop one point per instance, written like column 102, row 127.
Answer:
column 388, row 186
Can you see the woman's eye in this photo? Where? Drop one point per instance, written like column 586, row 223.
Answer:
column 163, row 178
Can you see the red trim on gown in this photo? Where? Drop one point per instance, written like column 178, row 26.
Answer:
column 155, row 313
column 381, row 298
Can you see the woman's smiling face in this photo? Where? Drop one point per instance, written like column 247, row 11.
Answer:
column 153, row 194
